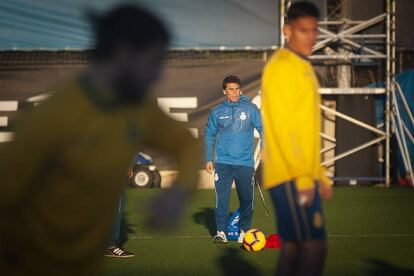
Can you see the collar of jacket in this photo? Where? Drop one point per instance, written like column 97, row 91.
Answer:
column 242, row 99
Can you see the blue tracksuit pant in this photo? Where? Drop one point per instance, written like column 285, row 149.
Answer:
column 116, row 226
column 243, row 176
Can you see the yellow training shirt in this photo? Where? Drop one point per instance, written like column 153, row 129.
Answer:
column 291, row 119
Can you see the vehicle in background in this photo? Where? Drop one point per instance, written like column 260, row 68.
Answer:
column 143, row 173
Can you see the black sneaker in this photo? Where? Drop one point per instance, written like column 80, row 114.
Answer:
column 118, row 252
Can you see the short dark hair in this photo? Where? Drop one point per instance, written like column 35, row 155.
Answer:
column 127, row 25
column 231, row 79
column 302, row 9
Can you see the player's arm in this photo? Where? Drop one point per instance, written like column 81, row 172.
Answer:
column 289, row 123
column 162, row 133
column 258, row 124
column 26, row 157
column 172, row 139
column 325, row 188
column 210, row 135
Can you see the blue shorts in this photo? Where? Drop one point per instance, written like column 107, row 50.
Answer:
column 296, row 223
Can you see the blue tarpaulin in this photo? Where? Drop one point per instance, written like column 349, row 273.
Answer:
column 61, row 24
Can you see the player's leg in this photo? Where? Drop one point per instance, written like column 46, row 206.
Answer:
column 302, row 226
column 245, row 191
column 313, row 255
column 314, row 250
column 289, row 228
column 288, row 259
column 116, row 226
column 115, row 249
column 223, row 179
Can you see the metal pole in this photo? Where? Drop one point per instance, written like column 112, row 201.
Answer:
column 337, row 36
column 400, row 130
column 352, row 120
column 344, row 32
column 327, row 137
column 349, row 152
column 407, row 131
column 387, row 103
column 256, row 181
column 393, row 41
column 346, row 57
column 327, row 149
column 404, row 101
column 282, row 9
column 404, row 155
column 365, row 24
column 397, row 136
column 340, row 22
column 351, row 90
column 261, row 195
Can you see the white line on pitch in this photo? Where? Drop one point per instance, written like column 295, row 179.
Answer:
column 168, row 237
column 370, row 235
column 329, row 236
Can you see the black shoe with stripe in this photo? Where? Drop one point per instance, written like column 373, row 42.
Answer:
column 118, row 252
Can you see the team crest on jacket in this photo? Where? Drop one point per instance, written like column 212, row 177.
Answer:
column 243, row 116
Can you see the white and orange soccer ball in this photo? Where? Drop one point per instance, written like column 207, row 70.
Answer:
column 254, row 240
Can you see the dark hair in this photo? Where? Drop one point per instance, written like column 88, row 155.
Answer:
column 302, row 9
column 127, row 25
column 231, row 79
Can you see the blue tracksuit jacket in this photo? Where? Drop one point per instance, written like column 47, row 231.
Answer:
column 230, row 130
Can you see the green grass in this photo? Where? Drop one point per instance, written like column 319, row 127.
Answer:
column 371, row 232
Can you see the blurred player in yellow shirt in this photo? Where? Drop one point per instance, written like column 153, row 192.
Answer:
column 61, row 177
column 292, row 170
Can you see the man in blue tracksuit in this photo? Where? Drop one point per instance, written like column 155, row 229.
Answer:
column 230, row 131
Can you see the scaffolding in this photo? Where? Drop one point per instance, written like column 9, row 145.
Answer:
column 347, row 33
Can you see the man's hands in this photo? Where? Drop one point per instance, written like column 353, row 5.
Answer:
column 305, row 197
column 260, row 156
column 210, row 167
column 325, row 188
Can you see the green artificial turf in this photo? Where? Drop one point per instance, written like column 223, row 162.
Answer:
column 370, row 232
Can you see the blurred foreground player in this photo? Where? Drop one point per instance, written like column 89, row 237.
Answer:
column 292, row 170
column 60, row 177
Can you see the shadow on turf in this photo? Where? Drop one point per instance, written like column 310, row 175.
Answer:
column 231, row 263
column 380, row 267
column 206, row 218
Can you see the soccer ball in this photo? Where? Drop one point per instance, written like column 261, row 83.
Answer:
column 254, row 240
